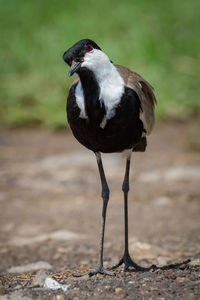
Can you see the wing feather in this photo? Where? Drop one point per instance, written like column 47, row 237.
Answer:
column 145, row 93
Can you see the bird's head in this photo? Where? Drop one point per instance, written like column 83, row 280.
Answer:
column 84, row 54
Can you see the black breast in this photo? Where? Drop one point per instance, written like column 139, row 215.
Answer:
column 122, row 132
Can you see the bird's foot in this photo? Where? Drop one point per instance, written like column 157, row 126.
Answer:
column 99, row 270
column 128, row 262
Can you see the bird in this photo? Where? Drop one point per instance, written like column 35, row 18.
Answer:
column 109, row 109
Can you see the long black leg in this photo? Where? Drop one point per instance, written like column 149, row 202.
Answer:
column 105, row 196
column 125, row 189
column 126, row 259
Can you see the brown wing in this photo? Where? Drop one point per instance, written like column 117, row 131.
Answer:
column 145, row 93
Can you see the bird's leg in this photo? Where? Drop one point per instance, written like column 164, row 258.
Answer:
column 105, row 196
column 126, row 259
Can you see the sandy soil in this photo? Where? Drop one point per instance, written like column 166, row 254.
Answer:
column 50, row 212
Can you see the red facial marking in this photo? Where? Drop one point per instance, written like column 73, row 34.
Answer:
column 89, row 48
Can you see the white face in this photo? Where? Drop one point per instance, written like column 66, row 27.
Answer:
column 110, row 83
column 96, row 61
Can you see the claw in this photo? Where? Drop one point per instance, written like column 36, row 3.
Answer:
column 128, row 262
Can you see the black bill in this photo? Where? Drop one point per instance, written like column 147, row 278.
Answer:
column 74, row 67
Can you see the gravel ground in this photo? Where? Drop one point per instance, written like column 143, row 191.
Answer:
column 50, row 210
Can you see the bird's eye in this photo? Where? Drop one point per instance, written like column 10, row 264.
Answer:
column 89, row 48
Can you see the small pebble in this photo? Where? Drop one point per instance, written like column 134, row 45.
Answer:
column 173, row 276
column 183, row 267
column 60, row 297
column 194, row 263
column 39, row 278
column 118, row 290
column 181, row 279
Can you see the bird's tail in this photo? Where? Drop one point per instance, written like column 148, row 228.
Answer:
column 141, row 146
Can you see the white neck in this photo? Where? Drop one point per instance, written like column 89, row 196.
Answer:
column 110, row 82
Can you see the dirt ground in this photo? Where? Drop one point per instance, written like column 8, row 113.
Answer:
column 50, row 213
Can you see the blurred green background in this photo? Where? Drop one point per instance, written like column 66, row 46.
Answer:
column 159, row 39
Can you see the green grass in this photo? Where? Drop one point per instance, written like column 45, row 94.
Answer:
column 159, row 39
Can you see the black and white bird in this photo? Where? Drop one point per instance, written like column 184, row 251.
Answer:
column 109, row 109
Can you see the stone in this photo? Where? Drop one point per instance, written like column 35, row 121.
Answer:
column 177, row 173
column 118, row 290
column 163, row 261
column 57, row 235
column 30, row 267
column 14, row 297
column 161, row 201
column 52, row 284
column 39, row 278
column 194, row 262
column 187, row 172
column 147, row 251
column 60, row 297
